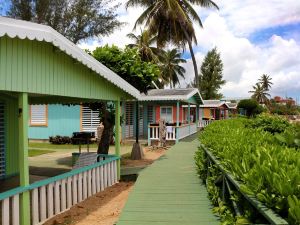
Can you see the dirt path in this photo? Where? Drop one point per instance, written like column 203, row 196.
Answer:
column 103, row 208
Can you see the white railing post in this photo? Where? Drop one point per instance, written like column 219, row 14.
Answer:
column 58, row 194
column 5, row 211
column 16, row 210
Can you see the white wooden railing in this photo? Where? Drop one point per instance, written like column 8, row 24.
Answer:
column 183, row 131
column 154, row 133
column 204, row 123
column 52, row 196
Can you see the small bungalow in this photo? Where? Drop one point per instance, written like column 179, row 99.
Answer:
column 212, row 110
column 51, row 120
column 38, row 66
column 178, row 107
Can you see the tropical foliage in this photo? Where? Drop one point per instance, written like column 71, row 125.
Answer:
column 170, row 67
column 265, row 168
column 144, row 42
column 259, row 93
column 265, row 82
column 75, row 19
column 172, row 21
column 261, row 88
column 249, row 107
column 128, row 64
column 211, row 75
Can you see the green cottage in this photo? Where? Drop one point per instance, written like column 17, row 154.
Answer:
column 40, row 66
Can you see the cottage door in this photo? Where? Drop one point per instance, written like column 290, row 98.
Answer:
column 129, row 120
column 2, row 141
column 141, row 120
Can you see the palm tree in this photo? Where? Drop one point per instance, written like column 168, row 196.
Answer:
column 260, row 94
column 172, row 21
column 144, row 43
column 170, row 68
column 265, row 82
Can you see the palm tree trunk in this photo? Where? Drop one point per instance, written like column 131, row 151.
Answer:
column 189, row 41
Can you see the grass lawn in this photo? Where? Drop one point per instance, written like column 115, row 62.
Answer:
column 43, row 146
column 36, row 152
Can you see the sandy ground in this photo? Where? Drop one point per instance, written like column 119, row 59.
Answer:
column 105, row 207
column 150, row 156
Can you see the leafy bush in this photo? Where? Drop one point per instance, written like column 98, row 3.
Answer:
column 270, row 123
column 128, row 64
column 290, row 137
column 266, row 169
column 58, row 140
column 251, row 107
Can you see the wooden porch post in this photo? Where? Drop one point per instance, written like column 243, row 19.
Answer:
column 189, row 117
column 118, row 139
column 177, row 121
column 23, row 158
column 197, row 115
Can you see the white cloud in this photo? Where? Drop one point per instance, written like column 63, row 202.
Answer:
column 244, row 62
column 228, row 29
column 246, row 16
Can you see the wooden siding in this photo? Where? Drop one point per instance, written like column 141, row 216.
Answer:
column 11, row 134
column 206, row 113
column 37, row 67
column 62, row 120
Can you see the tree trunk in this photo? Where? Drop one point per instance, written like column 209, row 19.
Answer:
column 193, row 57
column 107, row 134
column 137, row 150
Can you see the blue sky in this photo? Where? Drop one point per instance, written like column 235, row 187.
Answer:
column 254, row 37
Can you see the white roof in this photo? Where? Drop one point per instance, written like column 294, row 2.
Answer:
column 178, row 94
column 32, row 31
column 217, row 104
column 212, row 103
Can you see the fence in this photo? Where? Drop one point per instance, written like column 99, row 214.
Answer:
column 182, row 131
column 52, row 196
column 229, row 185
column 204, row 123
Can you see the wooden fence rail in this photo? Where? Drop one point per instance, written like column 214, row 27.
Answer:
column 52, row 196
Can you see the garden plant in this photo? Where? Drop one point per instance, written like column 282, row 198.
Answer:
column 266, row 166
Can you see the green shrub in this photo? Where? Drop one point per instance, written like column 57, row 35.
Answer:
column 251, row 107
column 265, row 168
column 290, row 137
column 270, row 123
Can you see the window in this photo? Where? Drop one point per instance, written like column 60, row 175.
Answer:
column 89, row 119
column 150, row 114
column 39, row 115
column 166, row 113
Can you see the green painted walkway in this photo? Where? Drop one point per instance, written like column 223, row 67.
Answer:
column 169, row 192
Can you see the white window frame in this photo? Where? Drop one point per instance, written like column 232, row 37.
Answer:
column 34, row 117
column 167, row 107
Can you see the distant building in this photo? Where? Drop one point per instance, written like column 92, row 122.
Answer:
column 283, row 101
column 217, row 109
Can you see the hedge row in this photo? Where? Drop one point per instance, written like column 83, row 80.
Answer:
column 266, row 168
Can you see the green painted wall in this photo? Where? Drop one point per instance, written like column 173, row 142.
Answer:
column 11, row 134
column 37, row 67
column 62, row 120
